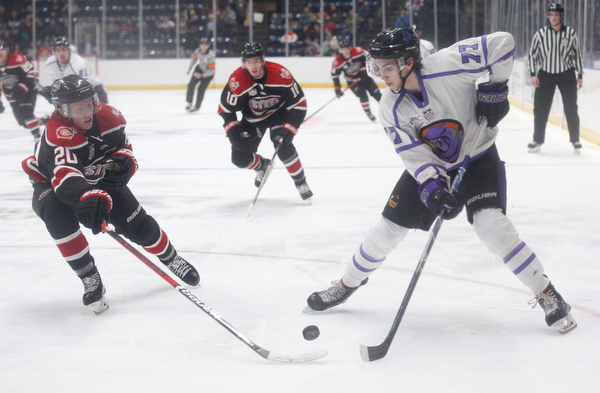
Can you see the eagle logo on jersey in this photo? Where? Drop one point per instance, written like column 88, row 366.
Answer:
column 233, row 84
column 445, row 138
column 64, row 132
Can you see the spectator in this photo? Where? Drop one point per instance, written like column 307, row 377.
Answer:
column 403, row 21
column 228, row 17
column 166, row 27
column 290, row 37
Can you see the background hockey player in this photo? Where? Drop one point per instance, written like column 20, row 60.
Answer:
column 79, row 172
column 64, row 61
column 18, row 81
column 426, row 47
column 352, row 63
column 203, row 64
column 432, row 138
column 269, row 99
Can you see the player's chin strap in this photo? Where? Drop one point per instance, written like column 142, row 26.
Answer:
column 404, row 80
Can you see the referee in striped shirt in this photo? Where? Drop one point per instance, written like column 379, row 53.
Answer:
column 555, row 60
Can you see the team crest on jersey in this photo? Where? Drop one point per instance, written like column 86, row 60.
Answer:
column 445, row 138
column 64, row 132
column 286, row 74
column 233, row 84
column 428, row 114
column 259, row 105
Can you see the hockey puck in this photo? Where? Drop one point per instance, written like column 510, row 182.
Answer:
column 311, row 332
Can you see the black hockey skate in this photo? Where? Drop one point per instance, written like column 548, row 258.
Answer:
column 556, row 309
column 304, row 190
column 577, row 147
column 260, row 173
column 94, row 291
column 337, row 294
column 184, row 270
column 534, row 147
column 370, row 115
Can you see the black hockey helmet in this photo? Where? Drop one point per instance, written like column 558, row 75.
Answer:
column 4, row 45
column 556, row 7
column 345, row 43
column 60, row 41
column 252, row 50
column 71, row 89
column 394, row 43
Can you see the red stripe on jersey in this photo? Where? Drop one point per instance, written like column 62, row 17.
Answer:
column 160, row 246
column 294, row 167
column 29, row 168
column 73, row 246
column 32, row 124
column 62, row 173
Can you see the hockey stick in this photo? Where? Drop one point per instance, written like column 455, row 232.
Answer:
column 212, row 313
column 264, row 179
column 377, row 352
column 329, row 102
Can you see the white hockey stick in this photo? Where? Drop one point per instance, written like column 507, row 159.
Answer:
column 212, row 313
column 264, row 179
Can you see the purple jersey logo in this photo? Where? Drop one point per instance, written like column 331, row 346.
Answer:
column 444, row 138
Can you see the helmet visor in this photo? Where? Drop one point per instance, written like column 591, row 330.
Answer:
column 383, row 67
column 84, row 108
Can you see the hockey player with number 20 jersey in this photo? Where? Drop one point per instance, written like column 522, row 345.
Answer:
column 435, row 114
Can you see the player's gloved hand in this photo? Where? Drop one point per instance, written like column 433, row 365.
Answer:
column 285, row 131
column 434, row 194
column 45, row 92
column 492, row 102
column 338, row 92
column 120, row 167
column 239, row 136
column 93, row 209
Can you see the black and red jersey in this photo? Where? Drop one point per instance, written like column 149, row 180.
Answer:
column 353, row 68
column 18, row 75
column 71, row 159
column 259, row 100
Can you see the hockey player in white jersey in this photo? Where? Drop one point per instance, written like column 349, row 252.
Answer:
column 426, row 47
column 64, row 61
column 432, row 112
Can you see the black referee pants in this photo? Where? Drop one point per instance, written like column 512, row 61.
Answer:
column 567, row 85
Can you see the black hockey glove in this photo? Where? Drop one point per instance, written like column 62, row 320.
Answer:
column 120, row 167
column 285, row 131
column 241, row 138
column 437, row 198
column 492, row 102
column 338, row 92
column 93, row 209
column 45, row 92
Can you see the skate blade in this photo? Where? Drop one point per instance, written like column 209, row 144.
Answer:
column 565, row 324
column 100, row 306
column 307, row 310
column 535, row 149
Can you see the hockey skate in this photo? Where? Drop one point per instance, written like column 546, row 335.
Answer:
column 337, row 294
column 184, row 270
column 194, row 109
column 188, row 105
column 370, row 115
column 534, row 147
column 577, row 147
column 304, row 190
column 93, row 295
column 260, row 173
column 556, row 309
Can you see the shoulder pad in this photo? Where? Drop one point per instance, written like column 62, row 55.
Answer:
column 356, row 51
column 240, row 81
column 278, row 74
column 337, row 61
column 110, row 117
column 61, row 132
column 16, row 59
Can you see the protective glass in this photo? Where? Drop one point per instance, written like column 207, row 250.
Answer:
column 84, row 108
column 375, row 70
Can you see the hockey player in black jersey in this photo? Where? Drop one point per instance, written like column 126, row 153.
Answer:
column 80, row 170
column 268, row 98
column 352, row 62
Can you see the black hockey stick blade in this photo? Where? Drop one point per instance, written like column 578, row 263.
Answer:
column 212, row 313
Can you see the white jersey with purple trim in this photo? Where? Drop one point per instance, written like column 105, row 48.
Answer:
column 77, row 65
column 433, row 136
column 427, row 48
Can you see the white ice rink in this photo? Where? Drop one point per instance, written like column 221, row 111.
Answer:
column 468, row 327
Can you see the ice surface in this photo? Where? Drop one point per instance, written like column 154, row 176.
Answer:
column 468, row 327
